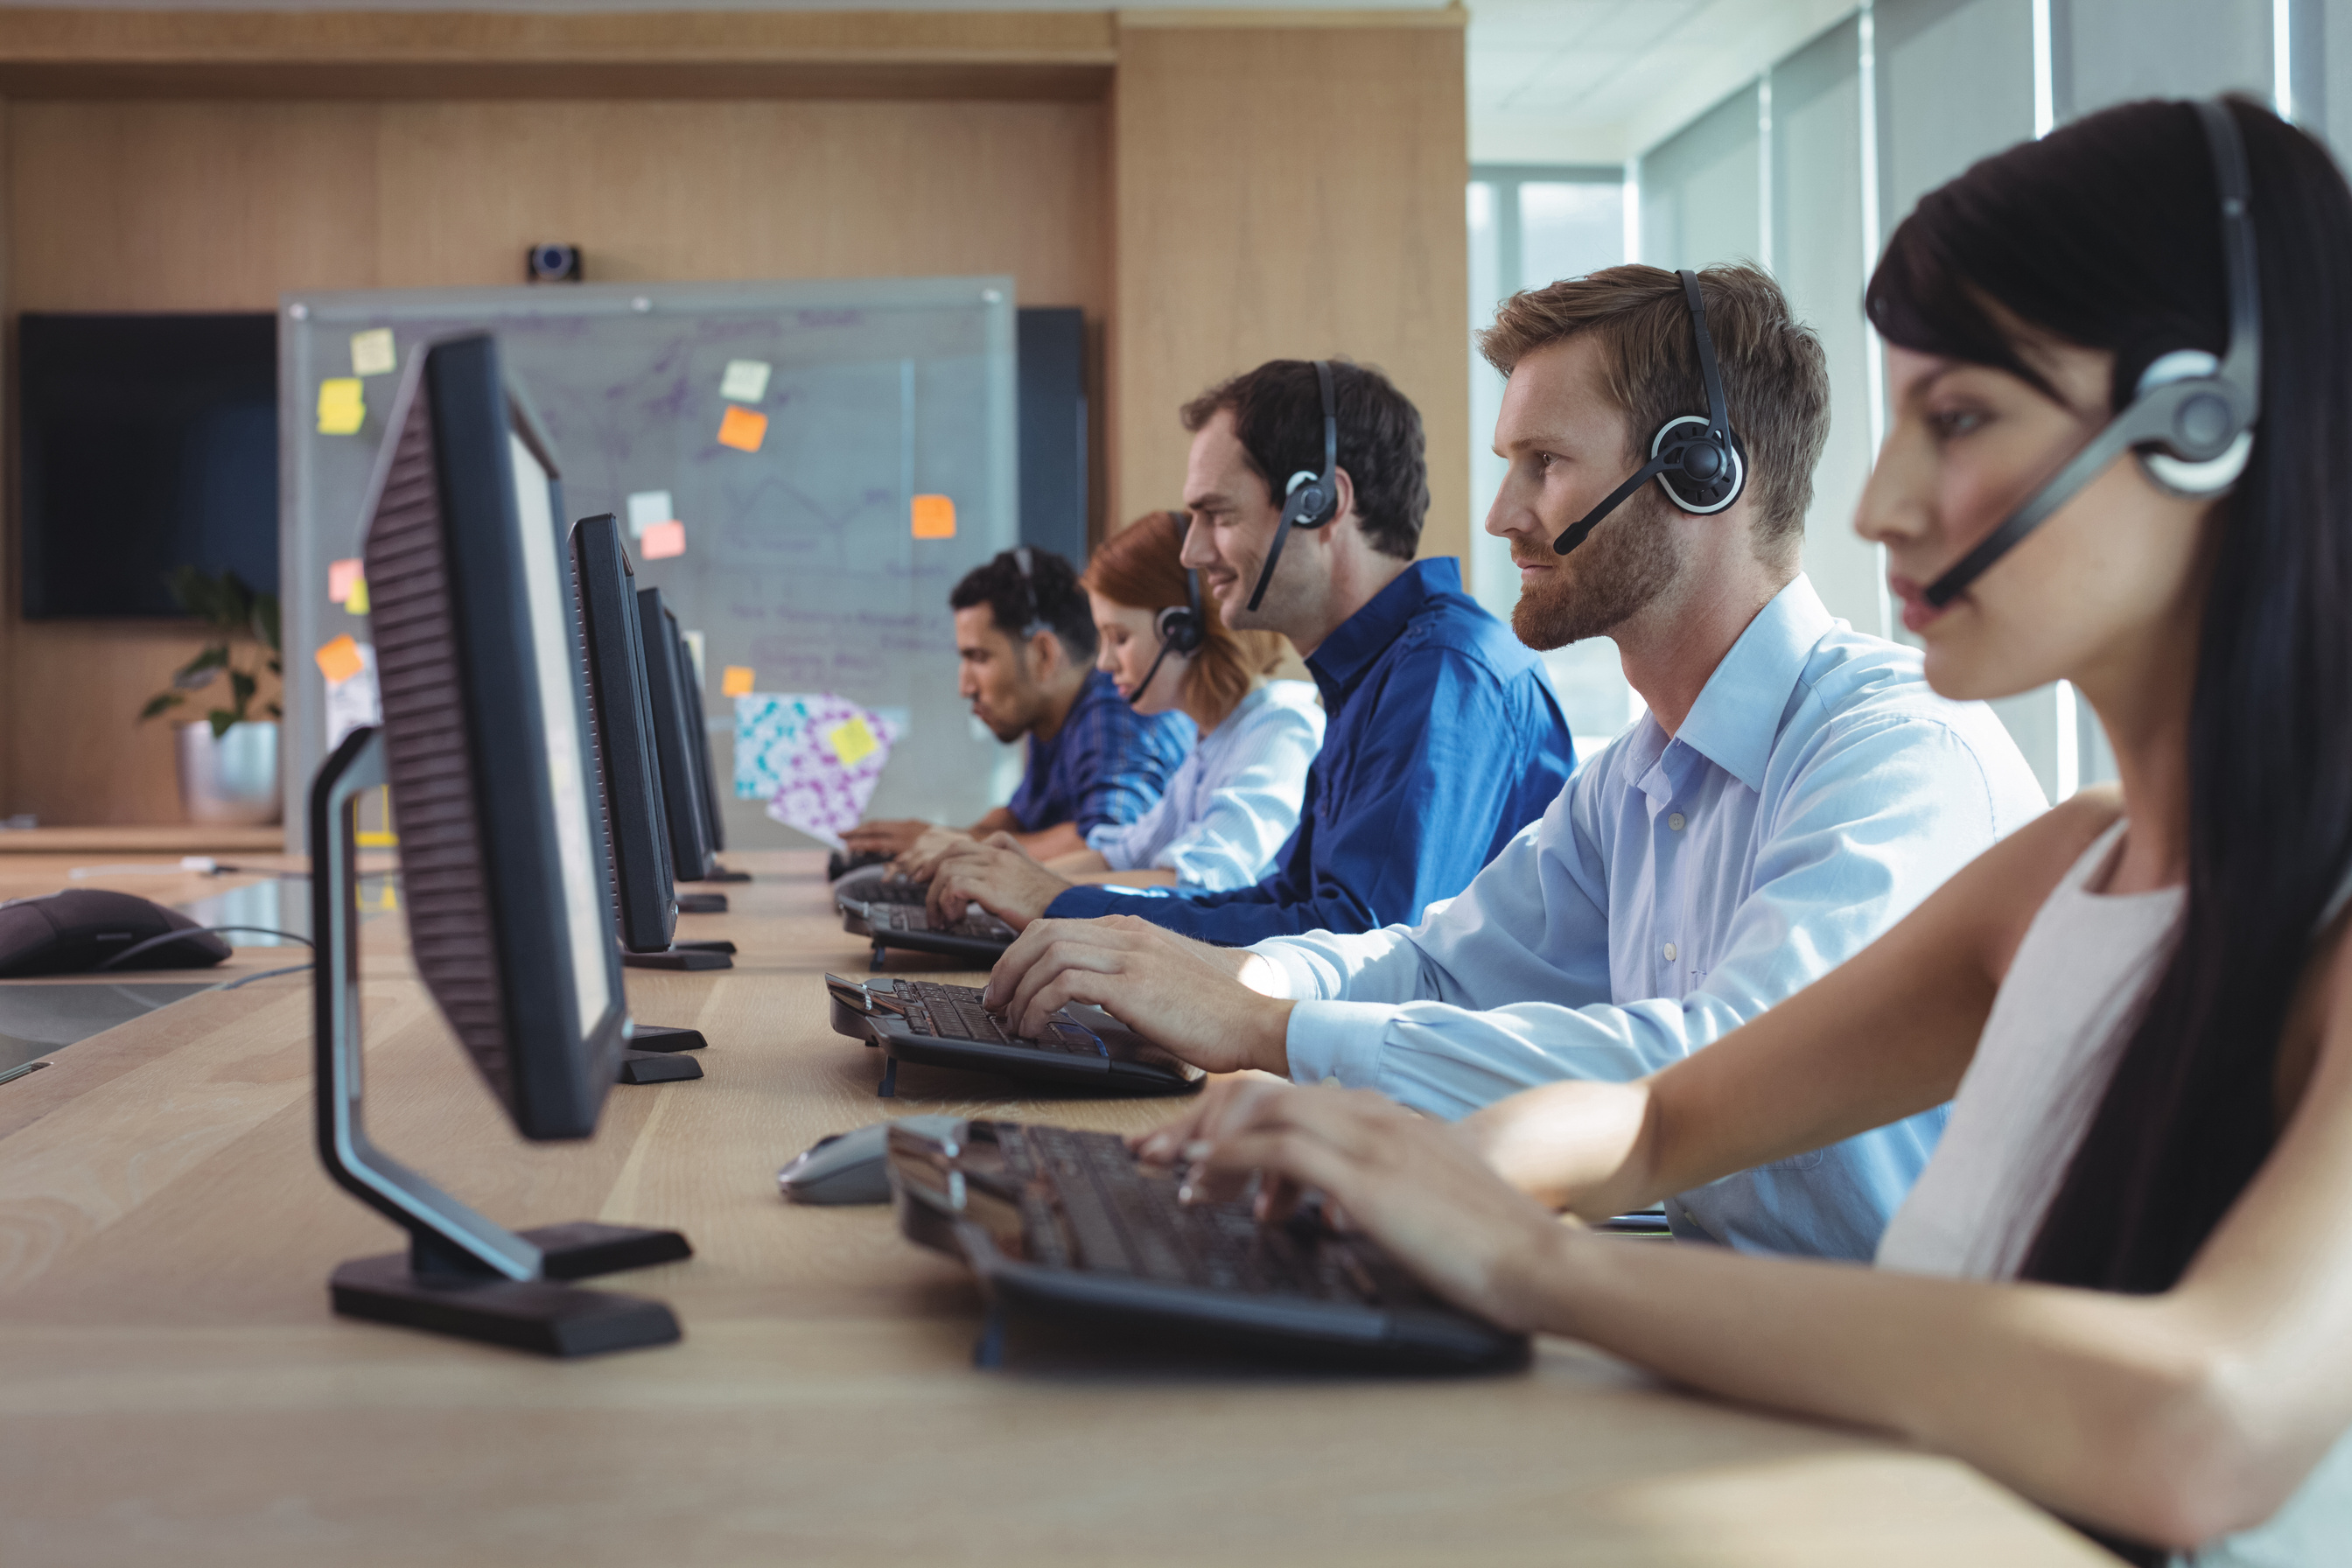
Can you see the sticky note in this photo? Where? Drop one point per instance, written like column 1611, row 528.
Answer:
column 735, row 680
column 342, row 406
column 339, row 659
column 741, row 429
column 372, row 354
column 746, row 380
column 647, row 508
column 340, row 575
column 356, row 601
column 934, row 517
column 852, row 742
column 662, row 540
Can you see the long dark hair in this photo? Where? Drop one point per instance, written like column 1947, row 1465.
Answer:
column 2107, row 234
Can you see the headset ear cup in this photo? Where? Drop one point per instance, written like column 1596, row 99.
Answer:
column 1179, row 630
column 2193, row 482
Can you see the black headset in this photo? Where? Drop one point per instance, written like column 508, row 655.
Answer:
column 1702, row 470
column 1310, row 499
column 1037, row 622
column 2197, row 412
column 1182, row 627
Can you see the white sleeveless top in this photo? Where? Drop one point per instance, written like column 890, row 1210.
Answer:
column 2040, row 1067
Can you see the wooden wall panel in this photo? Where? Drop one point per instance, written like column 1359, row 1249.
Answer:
column 1289, row 192
column 128, row 206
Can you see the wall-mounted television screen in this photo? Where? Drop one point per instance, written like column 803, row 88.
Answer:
column 145, row 443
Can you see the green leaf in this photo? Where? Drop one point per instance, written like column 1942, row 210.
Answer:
column 240, row 692
column 222, row 721
column 264, row 623
column 235, row 606
column 194, row 592
column 160, row 702
column 197, row 673
column 275, row 711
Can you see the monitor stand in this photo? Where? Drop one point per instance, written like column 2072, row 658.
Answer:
column 651, row 1057
column 678, row 956
column 463, row 1274
column 702, row 903
column 721, row 874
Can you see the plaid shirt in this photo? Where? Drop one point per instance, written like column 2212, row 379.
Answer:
column 1107, row 764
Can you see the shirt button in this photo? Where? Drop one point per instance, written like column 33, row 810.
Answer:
column 1669, row 952
column 1676, row 822
column 1331, row 1080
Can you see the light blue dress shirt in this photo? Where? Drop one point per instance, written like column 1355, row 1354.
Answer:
column 1230, row 806
column 1679, row 886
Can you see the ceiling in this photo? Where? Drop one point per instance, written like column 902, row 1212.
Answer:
column 1550, row 81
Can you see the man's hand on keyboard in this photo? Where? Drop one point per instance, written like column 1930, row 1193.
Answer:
column 999, row 875
column 915, row 861
column 1182, row 996
column 885, row 838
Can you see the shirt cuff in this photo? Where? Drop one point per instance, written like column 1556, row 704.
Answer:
column 1298, row 975
column 1338, row 1040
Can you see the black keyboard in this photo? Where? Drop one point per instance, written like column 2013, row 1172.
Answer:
column 1111, row 1214
column 978, row 924
column 954, row 1013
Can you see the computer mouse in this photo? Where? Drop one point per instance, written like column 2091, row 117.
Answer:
column 852, row 1167
column 73, row 931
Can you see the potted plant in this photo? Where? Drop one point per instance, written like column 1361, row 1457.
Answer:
column 229, row 759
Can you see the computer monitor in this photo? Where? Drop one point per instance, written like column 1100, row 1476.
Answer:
column 671, row 668
column 714, row 825
column 486, row 747
column 620, row 706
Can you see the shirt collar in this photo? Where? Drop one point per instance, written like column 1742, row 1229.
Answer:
column 1737, row 718
column 1092, row 692
column 1363, row 636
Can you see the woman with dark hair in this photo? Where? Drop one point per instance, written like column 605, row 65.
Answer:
column 1232, row 804
column 2123, row 1284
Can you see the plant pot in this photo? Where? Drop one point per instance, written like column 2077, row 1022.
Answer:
column 232, row 779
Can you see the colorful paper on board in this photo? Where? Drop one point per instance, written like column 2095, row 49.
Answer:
column 340, row 575
column 355, row 700
column 342, row 406
column 785, row 753
column 934, row 517
column 662, row 540
column 746, row 380
column 736, row 681
column 373, row 353
column 647, row 508
column 339, row 659
column 742, row 429
column 356, row 601
column 853, row 742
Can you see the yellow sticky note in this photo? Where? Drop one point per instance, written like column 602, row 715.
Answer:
column 357, row 602
column 373, row 353
column 742, row 429
column 342, row 406
column 339, row 659
column 852, row 742
column 663, row 540
column 340, row 575
column 735, row 680
column 934, row 517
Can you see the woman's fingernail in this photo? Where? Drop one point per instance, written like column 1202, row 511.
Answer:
column 1197, row 1150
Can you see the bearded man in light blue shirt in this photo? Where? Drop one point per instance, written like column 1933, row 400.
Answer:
column 1794, row 789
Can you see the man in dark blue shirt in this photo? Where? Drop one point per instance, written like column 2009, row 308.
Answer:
column 1441, row 738
column 1025, row 649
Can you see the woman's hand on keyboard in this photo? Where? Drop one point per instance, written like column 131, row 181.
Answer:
column 1184, row 997
column 1414, row 1185
column 999, row 875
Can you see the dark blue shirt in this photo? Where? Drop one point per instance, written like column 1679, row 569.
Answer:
column 1107, row 764
column 1441, row 740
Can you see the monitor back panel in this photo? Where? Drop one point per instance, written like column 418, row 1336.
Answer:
column 623, row 733
column 690, row 846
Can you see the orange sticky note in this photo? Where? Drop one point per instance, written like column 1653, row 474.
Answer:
column 340, row 575
column 742, row 428
column 339, row 659
column 735, row 680
column 935, row 517
column 663, row 540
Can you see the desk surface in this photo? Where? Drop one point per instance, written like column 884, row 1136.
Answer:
column 173, row 1389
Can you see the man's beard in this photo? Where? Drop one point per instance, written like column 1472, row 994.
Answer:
column 1624, row 564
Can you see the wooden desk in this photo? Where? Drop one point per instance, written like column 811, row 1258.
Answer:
column 174, row 1390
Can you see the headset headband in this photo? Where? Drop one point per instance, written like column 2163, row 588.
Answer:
column 1309, row 500
column 1037, row 622
column 2200, row 419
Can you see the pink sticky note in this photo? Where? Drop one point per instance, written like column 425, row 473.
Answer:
column 340, row 575
column 663, row 540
